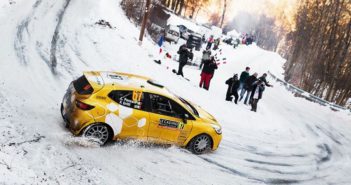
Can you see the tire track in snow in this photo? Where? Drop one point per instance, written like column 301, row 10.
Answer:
column 247, row 176
column 22, row 32
column 55, row 38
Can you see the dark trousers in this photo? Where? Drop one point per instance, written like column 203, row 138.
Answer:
column 242, row 94
column 230, row 98
column 254, row 104
column 209, row 45
column 236, row 97
column 180, row 69
column 202, row 63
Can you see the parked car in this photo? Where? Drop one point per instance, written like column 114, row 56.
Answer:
column 185, row 35
column 194, row 41
column 172, row 33
column 182, row 28
column 105, row 106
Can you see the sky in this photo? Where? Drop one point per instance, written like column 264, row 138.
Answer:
column 268, row 7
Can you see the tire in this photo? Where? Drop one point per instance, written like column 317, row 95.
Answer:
column 200, row 144
column 99, row 133
column 63, row 117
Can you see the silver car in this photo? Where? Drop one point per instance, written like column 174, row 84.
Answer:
column 172, row 33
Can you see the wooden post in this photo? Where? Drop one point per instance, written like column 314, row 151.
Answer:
column 145, row 18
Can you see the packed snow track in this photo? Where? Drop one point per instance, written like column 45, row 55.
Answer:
column 46, row 44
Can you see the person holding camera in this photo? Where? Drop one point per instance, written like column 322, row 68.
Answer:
column 184, row 56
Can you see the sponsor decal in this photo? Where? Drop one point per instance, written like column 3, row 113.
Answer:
column 115, row 77
column 171, row 124
column 130, row 103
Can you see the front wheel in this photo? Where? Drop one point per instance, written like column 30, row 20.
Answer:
column 200, row 144
column 99, row 133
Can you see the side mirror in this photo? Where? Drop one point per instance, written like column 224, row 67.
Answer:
column 185, row 118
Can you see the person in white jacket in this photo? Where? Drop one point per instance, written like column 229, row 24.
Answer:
column 256, row 95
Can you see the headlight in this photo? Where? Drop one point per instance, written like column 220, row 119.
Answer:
column 217, row 128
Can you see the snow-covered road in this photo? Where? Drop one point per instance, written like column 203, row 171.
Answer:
column 45, row 44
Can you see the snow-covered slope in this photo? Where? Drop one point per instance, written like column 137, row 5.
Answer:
column 46, row 44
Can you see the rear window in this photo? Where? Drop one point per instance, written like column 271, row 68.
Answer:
column 82, row 86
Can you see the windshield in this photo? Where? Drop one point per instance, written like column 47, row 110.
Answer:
column 189, row 106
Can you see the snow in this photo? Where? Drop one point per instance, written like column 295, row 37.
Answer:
column 233, row 33
column 289, row 140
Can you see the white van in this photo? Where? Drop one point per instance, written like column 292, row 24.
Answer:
column 172, row 33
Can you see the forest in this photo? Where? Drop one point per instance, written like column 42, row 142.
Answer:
column 319, row 53
column 315, row 39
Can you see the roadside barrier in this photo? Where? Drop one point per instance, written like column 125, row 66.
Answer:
column 310, row 97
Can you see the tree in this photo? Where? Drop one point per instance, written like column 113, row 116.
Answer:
column 223, row 13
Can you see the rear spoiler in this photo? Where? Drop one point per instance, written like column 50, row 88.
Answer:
column 95, row 80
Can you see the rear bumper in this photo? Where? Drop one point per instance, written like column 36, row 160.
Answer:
column 65, row 119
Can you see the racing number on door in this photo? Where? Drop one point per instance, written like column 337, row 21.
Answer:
column 137, row 96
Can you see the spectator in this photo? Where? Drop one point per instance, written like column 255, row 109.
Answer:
column 184, row 56
column 263, row 79
column 243, row 76
column 256, row 95
column 209, row 42
column 206, row 55
column 248, row 86
column 233, row 85
column 207, row 73
column 216, row 43
column 160, row 42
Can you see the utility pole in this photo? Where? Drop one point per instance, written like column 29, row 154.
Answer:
column 223, row 13
column 145, row 18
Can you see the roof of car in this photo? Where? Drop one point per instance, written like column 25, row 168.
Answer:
column 110, row 79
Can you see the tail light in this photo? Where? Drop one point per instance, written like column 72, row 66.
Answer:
column 83, row 106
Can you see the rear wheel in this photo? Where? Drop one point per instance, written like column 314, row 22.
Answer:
column 200, row 144
column 99, row 133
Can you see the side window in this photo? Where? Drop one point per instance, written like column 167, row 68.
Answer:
column 165, row 106
column 131, row 99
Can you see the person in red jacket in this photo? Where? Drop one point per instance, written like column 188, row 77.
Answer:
column 207, row 73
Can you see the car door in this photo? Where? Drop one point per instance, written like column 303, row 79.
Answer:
column 132, row 112
column 167, row 120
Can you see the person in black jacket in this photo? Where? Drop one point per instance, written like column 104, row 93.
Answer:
column 184, row 56
column 263, row 79
column 248, row 86
column 243, row 76
column 206, row 55
column 233, row 85
column 256, row 94
column 207, row 73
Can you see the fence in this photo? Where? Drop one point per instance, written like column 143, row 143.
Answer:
column 301, row 93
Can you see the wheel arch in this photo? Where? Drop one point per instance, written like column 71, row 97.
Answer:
column 188, row 141
column 97, row 123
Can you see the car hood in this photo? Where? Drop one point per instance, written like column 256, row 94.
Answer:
column 207, row 117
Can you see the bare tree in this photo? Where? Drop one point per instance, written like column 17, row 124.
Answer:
column 223, row 12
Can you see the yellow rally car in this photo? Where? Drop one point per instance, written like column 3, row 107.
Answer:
column 109, row 106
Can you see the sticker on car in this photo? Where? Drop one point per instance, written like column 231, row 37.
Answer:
column 170, row 124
